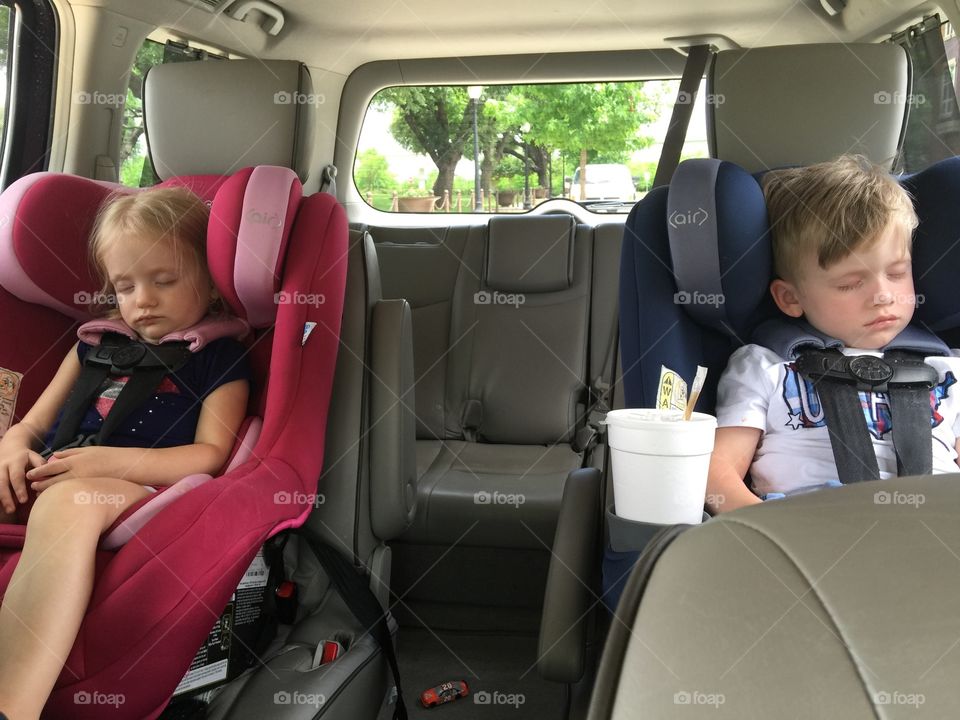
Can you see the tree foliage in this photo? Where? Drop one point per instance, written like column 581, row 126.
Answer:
column 530, row 123
column 372, row 172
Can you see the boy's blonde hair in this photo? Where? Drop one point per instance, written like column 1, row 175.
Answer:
column 171, row 214
column 830, row 209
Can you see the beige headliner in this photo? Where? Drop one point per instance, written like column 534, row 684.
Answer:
column 340, row 36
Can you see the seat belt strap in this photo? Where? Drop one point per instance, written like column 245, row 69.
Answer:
column 852, row 449
column 693, row 70
column 588, row 437
column 81, row 394
column 116, row 355
column 356, row 592
column 910, row 409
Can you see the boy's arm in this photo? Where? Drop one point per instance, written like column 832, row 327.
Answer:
column 221, row 415
column 733, row 451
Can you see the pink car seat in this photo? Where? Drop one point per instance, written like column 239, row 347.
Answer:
column 182, row 552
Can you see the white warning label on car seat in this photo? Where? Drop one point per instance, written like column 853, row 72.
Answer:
column 226, row 651
column 9, row 389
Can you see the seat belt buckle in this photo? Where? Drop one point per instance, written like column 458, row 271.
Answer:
column 330, row 650
column 285, row 597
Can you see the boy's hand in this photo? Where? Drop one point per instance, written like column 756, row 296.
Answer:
column 13, row 468
column 82, row 462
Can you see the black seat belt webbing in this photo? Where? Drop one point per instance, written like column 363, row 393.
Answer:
column 910, row 410
column 693, row 71
column 362, row 603
column 847, row 426
column 91, row 377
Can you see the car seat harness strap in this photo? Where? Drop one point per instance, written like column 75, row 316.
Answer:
column 901, row 374
column 146, row 365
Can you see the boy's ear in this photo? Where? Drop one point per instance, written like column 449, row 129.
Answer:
column 786, row 297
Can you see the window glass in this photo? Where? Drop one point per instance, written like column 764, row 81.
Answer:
column 595, row 143
column 933, row 122
column 5, row 43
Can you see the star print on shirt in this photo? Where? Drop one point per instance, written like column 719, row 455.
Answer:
column 111, row 389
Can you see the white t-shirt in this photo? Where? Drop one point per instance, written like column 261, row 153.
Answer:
column 761, row 390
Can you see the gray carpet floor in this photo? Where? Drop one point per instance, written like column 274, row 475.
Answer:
column 499, row 670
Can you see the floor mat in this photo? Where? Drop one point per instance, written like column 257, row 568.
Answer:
column 499, row 670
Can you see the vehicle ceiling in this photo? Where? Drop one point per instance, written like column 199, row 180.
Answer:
column 340, row 35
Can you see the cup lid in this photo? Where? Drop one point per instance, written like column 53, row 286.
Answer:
column 647, row 418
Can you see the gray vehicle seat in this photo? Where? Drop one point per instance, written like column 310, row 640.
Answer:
column 839, row 603
column 503, row 355
column 233, row 120
column 803, row 104
column 511, row 323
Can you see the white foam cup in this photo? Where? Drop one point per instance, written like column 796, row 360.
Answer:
column 660, row 463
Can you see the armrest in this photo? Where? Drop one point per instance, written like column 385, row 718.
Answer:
column 393, row 438
column 571, row 579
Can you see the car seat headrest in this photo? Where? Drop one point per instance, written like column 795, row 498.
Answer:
column 249, row 227
column 721, row 254
column 532, row 254
column 802, row 104
column 45, row 224
column 206, row 118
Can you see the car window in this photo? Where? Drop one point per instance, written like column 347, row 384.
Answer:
column 416, row 151
column 5, row 42
column 933, row 121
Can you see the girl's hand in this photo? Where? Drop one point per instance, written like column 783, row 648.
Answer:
column 82, row 462
column 14, row 464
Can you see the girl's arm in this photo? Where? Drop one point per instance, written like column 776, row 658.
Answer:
column 19, row 444
column 221, row 415
column 733, row 451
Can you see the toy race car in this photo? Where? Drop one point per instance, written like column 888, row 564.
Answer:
column 447, row 692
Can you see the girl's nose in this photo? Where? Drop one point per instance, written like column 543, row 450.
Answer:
column 144, row 298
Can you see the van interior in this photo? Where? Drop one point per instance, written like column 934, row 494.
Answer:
column 507, row 174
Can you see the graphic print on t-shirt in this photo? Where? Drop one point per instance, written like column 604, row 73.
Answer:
column 804, row 409
column 111, row 389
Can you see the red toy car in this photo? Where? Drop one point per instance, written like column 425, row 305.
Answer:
column 447, row 692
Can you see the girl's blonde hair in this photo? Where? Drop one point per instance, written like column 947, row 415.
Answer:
column 830, row 209
column 171, row 214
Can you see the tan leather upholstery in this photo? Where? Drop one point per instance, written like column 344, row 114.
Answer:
column 801, row 104
column 840, row 603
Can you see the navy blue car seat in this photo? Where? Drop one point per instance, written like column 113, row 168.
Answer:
column 696, row 265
